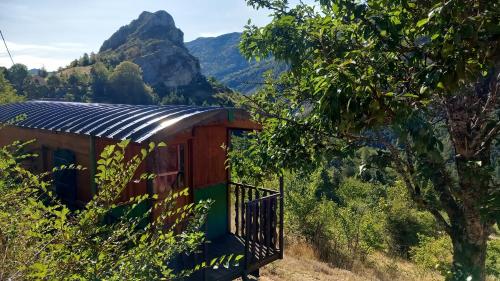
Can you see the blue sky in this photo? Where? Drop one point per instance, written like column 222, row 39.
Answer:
column 51, row 33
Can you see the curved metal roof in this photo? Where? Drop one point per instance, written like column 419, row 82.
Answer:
column 115, row 121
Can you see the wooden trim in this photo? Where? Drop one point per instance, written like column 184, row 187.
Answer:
column 190, row 180
column 228, row 179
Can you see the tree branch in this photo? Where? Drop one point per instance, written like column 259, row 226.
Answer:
column 404, row 169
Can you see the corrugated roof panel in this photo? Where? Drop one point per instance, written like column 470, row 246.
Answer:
column 115, row 121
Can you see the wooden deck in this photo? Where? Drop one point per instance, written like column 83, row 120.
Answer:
column 226, row 245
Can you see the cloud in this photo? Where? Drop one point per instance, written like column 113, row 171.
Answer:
column 51, row 56
column 50, row 64
column 57, row 46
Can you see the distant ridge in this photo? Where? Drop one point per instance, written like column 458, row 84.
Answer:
column 221, row 58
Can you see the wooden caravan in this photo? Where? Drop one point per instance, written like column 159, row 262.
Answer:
column 243, row 220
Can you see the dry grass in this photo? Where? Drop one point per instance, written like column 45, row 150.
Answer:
column 301, row 264
column 85, row 70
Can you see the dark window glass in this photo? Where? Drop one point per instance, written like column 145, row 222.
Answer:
column 65, row 180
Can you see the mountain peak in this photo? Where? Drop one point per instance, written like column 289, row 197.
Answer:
column 153, row 42
column 160, row 17
column 159, row 25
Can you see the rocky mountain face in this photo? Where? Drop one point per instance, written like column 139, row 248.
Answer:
column 220, row 57
column 154, row 43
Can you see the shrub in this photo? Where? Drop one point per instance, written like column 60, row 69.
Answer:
column 433, row 253
column 404, row 222
column 340, row 232
column 436, row 253
column 493, row 258
column 40, row 238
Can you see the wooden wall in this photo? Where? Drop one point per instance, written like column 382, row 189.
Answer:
column 134, row 188
column 46, row 142
column 208, row 156
column 209, row 175
column 204, row 156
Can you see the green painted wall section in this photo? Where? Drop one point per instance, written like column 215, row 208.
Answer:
column 230, row 115
column 217, row 216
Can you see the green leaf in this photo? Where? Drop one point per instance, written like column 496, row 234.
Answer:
column 408, row 95
column 422, row 22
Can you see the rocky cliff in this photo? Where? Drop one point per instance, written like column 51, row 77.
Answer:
column 154, row 43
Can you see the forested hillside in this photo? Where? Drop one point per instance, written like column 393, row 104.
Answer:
column 220, row 57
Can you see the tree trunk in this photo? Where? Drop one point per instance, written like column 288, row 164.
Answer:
column 469, row 229
column 469, row 254
column 469, row 226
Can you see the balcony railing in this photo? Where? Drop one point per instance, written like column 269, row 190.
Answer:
column 258, row 220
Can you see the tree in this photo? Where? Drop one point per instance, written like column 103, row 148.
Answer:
column 54, row 85
column 35, row 88
column 7, row 92
column 74, row 63
column 92, row 58
column 3, row 70
column 99, row 76
column 16, row 75
column 404, row 77
column 42, row 72
column 126, row 85
column 77, row 86
column 84, row 60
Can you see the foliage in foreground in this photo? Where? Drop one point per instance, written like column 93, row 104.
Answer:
column 41, row 239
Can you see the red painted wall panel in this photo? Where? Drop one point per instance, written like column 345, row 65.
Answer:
column 208, row 156
column 134, row 188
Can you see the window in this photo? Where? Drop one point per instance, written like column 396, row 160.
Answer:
column 169, row 168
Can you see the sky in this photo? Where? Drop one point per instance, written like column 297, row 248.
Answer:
column 52, row 33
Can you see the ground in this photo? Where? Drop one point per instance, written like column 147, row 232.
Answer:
column 300, row 264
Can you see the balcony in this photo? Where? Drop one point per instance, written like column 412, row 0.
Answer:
column 256, row 232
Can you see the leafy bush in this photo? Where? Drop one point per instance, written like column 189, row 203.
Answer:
column 340, row 225
column 436, row 253
column 40, row 238
column 493, row 258
column 433, row 253
column 405, row 222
